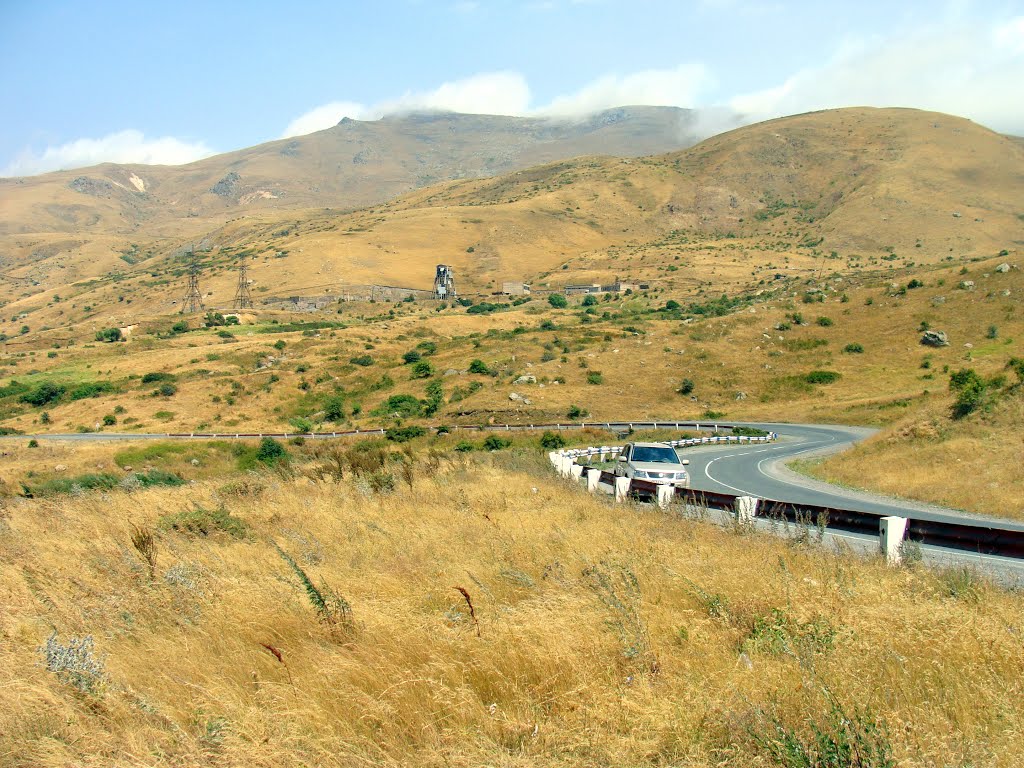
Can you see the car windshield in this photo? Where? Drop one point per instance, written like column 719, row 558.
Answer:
column 655, row 455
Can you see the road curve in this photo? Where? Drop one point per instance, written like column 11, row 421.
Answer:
column 753, row 470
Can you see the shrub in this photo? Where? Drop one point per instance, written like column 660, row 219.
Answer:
column 670, row 306
column 180, row 327
column 334, row 408
column 686, row 387
column 75, row 664
column 1016, row 364
column 552, row 441
column 435, row 399
column 854, row 348
column 91, row 389
column 915, row 283
column 479, row 366
column 200, row 521
column 496, row 443
column 595, row 377
column 404, row 434
column 464, row 446
column 824, row 322
column 548, row 325
column 590, row 301
column 109, row 420
column 167, row 389
column 43, row 394
column 271, row 452
column 108, row 335
column 404, row 406
column 992, row 332
column 33, row 443
column 558, row 301
column 422, row 370
column 364, row 360
column 427, row 347
column 214, row 320
column 575, row 412
column 822, row 377
column 155, row 376
column 302, row 424
column 972, row 392
column 410, row 357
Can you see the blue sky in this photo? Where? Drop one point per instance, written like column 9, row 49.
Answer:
column 162, row 82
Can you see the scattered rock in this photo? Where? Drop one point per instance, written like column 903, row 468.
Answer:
column 967, row 285
column 228, row 186
column 515, row 397
column 937, row 300
column 452, row 372
column 1003, row 268
column 741, row 395
column 968, row 345
column 60, row 468
column 957, row 214
column 127, row 469
column 935, row 339
column 745, row 661
column 195, row 462
column 526, row 379
column 1005, row 292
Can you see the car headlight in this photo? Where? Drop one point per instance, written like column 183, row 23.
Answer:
column 639, row 473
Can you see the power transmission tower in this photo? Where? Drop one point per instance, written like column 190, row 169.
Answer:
column 193, row 301
column 243, row 299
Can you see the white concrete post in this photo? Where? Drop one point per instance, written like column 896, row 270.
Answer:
column 665, row 495
column 621, row 489
column 576, row 470
column 891, row 531
column 593, row 479
column 566, row 466
column 746, row 509
column 555, row 458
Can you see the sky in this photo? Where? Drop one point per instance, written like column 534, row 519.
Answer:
column 169, row 83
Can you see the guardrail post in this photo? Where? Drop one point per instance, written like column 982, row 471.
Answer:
column 891, row 531
column 593, row 479
column 565, row 469
column 746, row 509
column 665, row 495
column 556, row 459
column 576, row 470
column 621, row 489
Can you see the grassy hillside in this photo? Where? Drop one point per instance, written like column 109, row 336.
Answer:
column 482, row 613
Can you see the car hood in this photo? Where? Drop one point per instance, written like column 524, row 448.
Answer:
column 657, row 466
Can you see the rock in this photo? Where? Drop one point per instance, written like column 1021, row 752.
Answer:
column 745, row 661
column 515, row 397
column 741, row 395
column 452, row 372
column 935, row 339
column 529, row 378
column 1005, row 292
column 967, row 285
column 957, row 214
column 195, row 462
column 937, row 300
column 1003, row 268
column 968, row 345
column 127, row 469
column 60, row 468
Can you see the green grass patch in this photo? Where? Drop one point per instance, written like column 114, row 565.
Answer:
column 200, row 521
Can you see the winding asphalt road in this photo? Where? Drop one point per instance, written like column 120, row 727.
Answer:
column 755, row 470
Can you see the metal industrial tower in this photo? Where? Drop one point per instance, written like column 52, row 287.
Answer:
column 444, row 282
column 193, row 301
column 243, row 299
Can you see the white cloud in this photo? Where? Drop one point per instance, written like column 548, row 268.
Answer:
column 324, row 117
column 965, row 69
column 122, row 147
column 490, row 93
column 678, row 87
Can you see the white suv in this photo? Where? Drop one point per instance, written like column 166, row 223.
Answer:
column 654, row 462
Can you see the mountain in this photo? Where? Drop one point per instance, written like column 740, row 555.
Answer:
column 844, row 191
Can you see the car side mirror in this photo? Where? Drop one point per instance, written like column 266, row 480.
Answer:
column 622, row 458
column 686, row 462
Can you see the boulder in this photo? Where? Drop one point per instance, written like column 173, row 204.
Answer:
column 966, row 285
column 1003, row 268
column 515, row 397
column 526, row 379
column 935, row 339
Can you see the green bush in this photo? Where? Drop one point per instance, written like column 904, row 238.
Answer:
column 91, row 389
column 271, row 452
column 167, row 389
column 822, row 377
column 364, row 360
column 155, row 376
column 854, row 348
column 496, row 443
column 552, row 441
column 410, row 357
column 427, row 347
column 590, row 300
column 422, row 370
column 973, row 393
column 108, row 335
column 404, row 434
column 686, row 387
column 109, row 420
column 575, row 412
column 479, row 366
column 44, row 393
column 405, row 406
column 464, row 446
column 334, row 408
column 824, row 322
column 595, row 377
column 558, row 301
column 180, row 327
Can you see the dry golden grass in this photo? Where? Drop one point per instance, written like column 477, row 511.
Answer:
column 221, row 660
